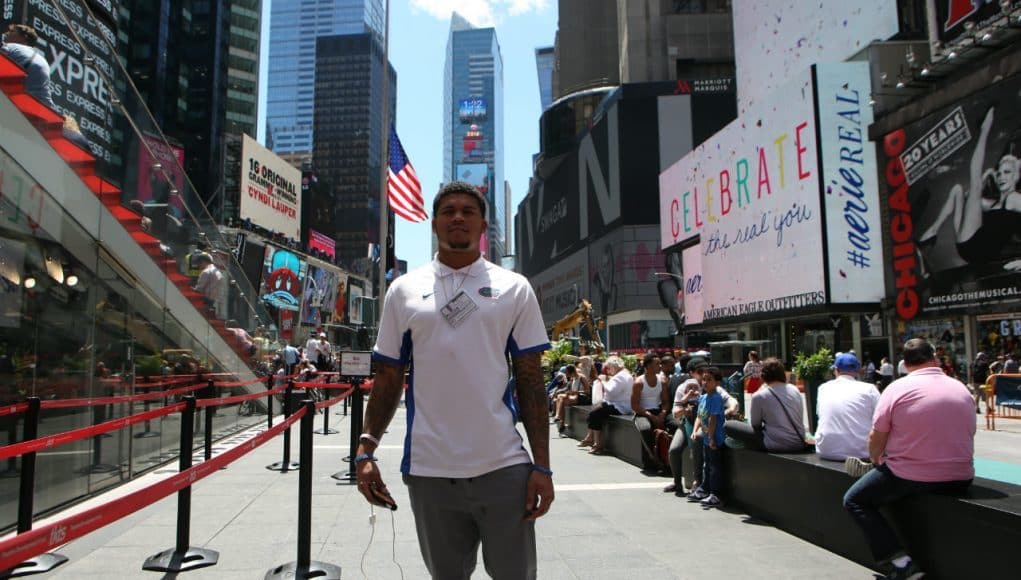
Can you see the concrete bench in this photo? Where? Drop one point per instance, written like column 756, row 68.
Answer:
column 969, row 537
column 622, row 439
column 802, row 494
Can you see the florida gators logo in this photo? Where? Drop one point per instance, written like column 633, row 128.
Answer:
column 489, row 292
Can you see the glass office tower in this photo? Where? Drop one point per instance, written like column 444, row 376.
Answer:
column 294, row 27
column 473, row 120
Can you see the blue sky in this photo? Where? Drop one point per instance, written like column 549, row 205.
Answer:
column 418, row 40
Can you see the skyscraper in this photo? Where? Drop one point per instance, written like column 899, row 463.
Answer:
column 294, row 27
column 545, row 63
column 473, row 119
column 196, row 66
column 348, row 144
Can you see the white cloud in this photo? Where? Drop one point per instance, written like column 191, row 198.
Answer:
column 479, row 12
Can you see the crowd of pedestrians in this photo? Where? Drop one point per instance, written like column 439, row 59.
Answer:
column 897, row 434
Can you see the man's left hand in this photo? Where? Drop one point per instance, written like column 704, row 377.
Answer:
column 538, row 495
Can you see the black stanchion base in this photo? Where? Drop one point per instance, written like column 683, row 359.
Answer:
column 37, row 565
column 345, row 477
column 147, row 434
column 281, row 466
column 173, row 561
column 346, row 459
column 317, row 570
column 327, row 431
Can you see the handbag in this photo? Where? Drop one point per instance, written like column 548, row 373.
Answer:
column 809, row 445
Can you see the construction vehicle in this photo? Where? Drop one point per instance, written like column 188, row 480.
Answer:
column 581, row 315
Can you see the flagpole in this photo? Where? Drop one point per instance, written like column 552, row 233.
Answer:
column 384, row 222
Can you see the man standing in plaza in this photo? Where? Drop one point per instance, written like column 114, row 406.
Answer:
column 922, row 441
column 470, row 479
column 846, row 406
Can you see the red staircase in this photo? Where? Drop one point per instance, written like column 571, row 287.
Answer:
column 50, row 125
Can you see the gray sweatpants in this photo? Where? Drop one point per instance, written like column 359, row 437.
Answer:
column 452, row 516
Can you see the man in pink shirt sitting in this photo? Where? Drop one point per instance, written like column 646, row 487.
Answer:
column 922, row 441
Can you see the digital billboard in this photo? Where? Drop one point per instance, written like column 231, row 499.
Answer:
column 691, row 258
column 622, row 270
column 751, row 195
column 319, row 296
column 76, row 85
column 476, row 174
column 777, row 40
column 269, row 190
column 850, row 184
column 472, row 110
column 339, row 314
column 355, row 298
column 282, row 277
column 326, row 245
column 951, row 188
column 559, row 289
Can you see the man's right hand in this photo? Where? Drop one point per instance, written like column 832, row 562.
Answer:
column 369, row 478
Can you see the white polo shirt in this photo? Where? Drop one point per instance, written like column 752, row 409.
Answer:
column 460, row 420
column 845, row 411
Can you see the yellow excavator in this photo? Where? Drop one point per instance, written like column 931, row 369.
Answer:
column 581, row 315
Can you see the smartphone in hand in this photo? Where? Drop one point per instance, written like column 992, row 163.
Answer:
column 382, row 498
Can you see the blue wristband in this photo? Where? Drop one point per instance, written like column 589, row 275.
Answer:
column 541, row 469
column 365, row 457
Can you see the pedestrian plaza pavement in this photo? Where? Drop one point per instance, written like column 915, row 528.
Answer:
column 608, row 521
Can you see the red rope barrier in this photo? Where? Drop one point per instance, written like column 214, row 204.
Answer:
column 240, row 383
column 43, row 539
column 216, row 402
column 14, row 409
column 77, row 434
column 331, row 402
column 65, row 403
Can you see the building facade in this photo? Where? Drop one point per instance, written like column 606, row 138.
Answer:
column 348, row 143
column 473, row 120
column 294, row 27
column 545, row 64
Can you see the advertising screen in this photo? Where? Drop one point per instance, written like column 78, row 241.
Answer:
column 851, row 183
column 269, row 190
column 77, row 88
column 282, row 277
column 319, row 295
column 153, row 187
column 472, row 110
column 476, row 174
column 622, row 270
column 559, row 289
column 951, row 185
column 692, row 259
column 752, row 195
column 355, row 294
column 776, row 40
column 325, row 244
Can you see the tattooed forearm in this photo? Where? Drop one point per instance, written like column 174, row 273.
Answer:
column 532, row 404
column 386, row 394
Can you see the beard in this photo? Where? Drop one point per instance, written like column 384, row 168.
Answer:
column 465, row 245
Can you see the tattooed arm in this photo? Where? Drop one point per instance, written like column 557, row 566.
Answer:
column 386, row 395
column 533, row 406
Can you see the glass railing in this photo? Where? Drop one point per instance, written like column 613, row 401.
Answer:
column 100, row 301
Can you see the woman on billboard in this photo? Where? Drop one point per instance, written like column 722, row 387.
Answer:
column 987, row 215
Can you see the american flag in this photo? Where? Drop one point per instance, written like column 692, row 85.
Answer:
column 404, row 192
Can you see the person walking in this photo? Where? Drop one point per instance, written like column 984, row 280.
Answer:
column 470, row 480
column 922, row 441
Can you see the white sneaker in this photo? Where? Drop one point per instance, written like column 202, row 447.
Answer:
column 856, row 467
column 711, row 501
column 698, row 494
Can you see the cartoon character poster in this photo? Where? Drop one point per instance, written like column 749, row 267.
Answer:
column 282, row 278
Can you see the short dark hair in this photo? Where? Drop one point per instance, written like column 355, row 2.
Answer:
column 27, row 31
column 648, row 358
column 773, row 371
column 918, row 351
column 459, row 187
column 570, row 369
column 715, row 372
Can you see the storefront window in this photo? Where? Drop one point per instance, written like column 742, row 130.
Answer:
column 947, row 335
column 999, row 334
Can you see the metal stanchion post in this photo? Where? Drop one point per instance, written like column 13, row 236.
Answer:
column 208, row 443
column 356, row 431
column 286, row 464
column 44, row 562
column 99, row 416
column 304, row 567
column 326, row 417
column 12, row 438
column 183, row 557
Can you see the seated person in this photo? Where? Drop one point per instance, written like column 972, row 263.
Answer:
column 681, row 420
column 845, row 407
column 616, row 401
column 649, row 400
column 776, row 415
column 240, row 338
column 577, row 393
column 557, row 385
